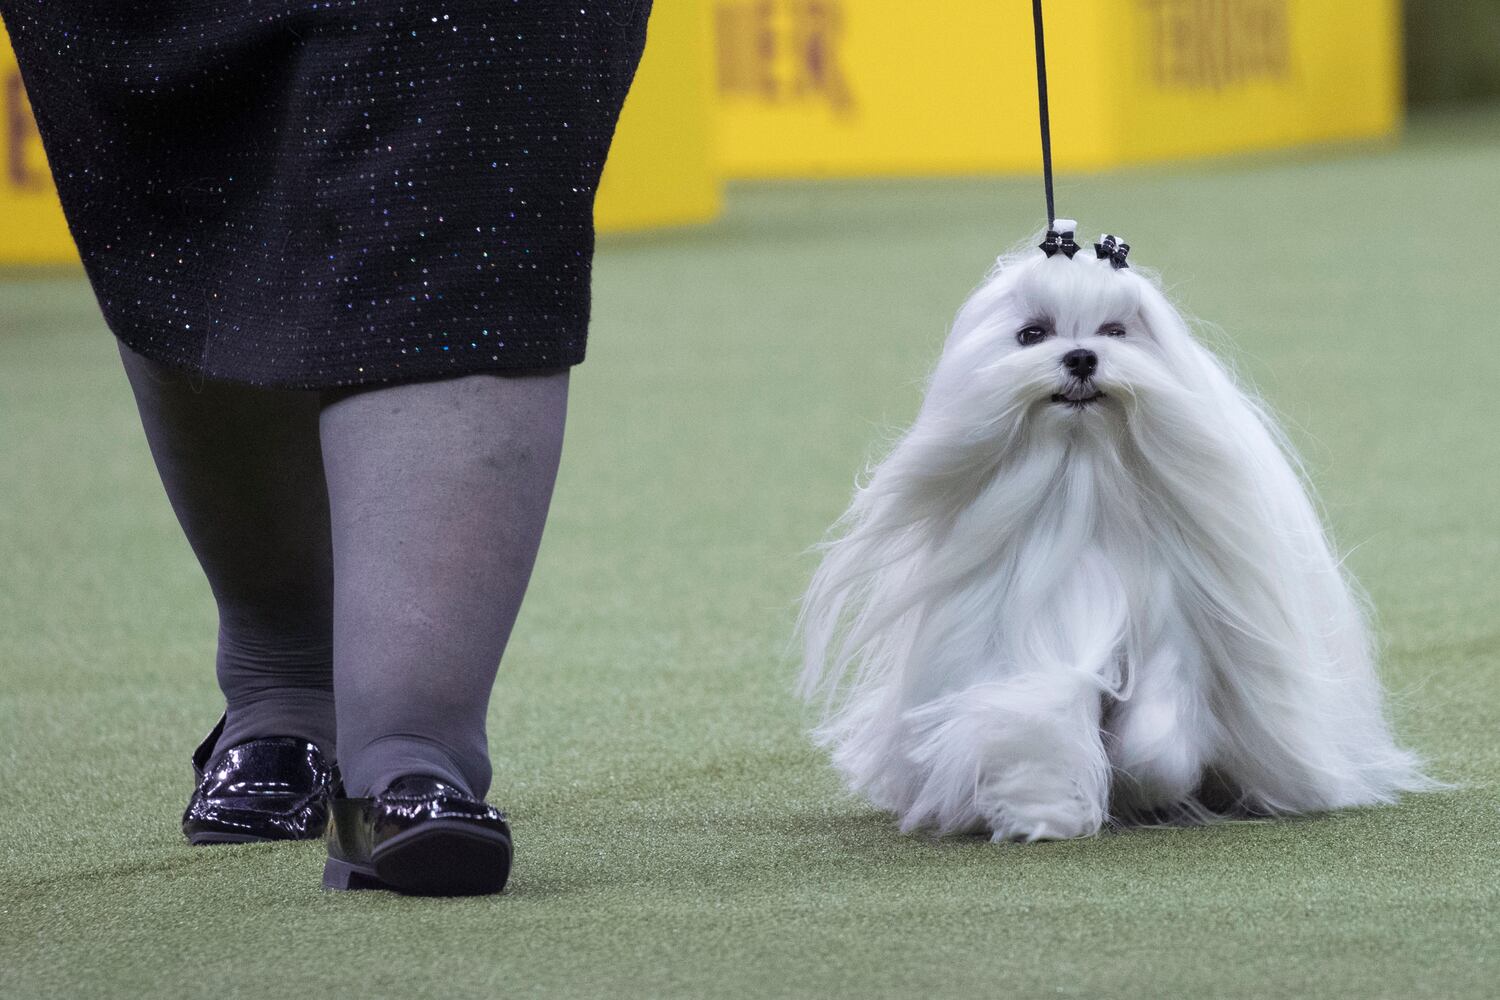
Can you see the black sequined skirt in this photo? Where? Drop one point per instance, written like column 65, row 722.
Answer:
column 317, row 194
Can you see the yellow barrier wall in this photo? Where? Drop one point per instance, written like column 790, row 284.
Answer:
column 853, row 87
column 661, row 169
column 794, row 88
column 32, row 229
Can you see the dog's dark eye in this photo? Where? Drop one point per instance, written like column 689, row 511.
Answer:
column 1112, row 330
column 1032, row 335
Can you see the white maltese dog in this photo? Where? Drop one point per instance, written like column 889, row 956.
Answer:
column 1089, row 584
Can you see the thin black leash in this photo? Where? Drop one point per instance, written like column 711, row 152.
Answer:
column 1041, row 101
column 1056, row 242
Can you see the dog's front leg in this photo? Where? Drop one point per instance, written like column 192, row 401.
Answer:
column 1021, row 758
column 1161, row 738
column 1046, row 775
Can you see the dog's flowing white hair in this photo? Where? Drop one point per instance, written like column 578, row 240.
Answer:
column 1061, row 601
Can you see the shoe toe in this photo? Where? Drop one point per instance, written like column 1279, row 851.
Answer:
column 419, row 837
column 267, row 789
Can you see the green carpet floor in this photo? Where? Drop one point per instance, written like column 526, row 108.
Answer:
column 677, row 835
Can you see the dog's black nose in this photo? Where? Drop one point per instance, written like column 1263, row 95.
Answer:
column 1080, row 363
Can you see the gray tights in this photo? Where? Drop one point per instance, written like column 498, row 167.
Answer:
column 368, row 550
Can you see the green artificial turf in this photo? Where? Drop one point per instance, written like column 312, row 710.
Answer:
column 677, row 835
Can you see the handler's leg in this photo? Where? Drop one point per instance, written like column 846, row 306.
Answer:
column 439, row 492
column 243, row 469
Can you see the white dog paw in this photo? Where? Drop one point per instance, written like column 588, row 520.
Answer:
column 1063, row 818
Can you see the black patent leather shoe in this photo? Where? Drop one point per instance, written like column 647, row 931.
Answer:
column 268, row 789
column 420, row 837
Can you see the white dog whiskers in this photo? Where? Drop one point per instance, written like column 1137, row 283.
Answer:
column 1089, row 583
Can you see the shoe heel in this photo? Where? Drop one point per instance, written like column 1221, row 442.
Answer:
column 342, row 876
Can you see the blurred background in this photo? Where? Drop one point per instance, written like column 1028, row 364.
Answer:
column 801, row 194
column 734, row 90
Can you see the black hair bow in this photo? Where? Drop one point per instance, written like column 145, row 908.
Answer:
column 1055, row 242
column 1113, row 249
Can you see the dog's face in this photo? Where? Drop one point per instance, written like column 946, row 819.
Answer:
column 1058, row 343
column 1074, row 317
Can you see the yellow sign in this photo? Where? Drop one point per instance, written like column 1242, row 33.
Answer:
column 663, row 168
column 798, row 88
column 32, row 230
column 849, row 87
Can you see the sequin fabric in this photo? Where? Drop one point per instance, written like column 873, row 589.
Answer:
column 333, row 193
